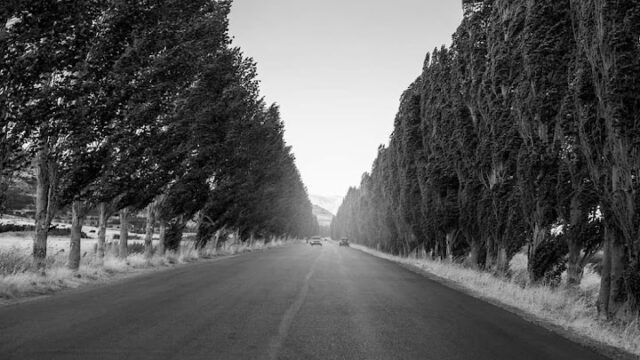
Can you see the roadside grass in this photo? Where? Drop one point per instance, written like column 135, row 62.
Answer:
column 573, row 310
column 18, row 278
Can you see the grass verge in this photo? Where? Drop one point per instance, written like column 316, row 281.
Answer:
column 572, row 310
column 19, row 281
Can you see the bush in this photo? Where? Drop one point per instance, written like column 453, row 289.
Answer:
column 14, row 261
column 130, row 237
column 113, row 248
column 549, row 262
column 53, row 231
column 173, row 237
column 15, row 228
column 135, row 248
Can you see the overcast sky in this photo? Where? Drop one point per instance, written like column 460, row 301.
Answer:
column 337, row 69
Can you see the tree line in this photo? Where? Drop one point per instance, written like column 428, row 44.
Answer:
column 127, row 106
column 523, row 134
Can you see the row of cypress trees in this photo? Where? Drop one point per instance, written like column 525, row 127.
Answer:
column 131, row 105
column 523, row 134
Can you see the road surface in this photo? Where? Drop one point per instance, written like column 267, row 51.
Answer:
column 297, row 302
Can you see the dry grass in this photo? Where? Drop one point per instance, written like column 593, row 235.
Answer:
column 571, row 309
column 19, row 280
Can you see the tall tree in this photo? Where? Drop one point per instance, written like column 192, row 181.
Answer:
column 47, row 47
column 607, row 102
column 546, row 47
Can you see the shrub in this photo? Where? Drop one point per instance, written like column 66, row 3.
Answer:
column 15, row 228
column 14, row 261
column 173, row 237
column 54, row 231
column 548, row 262
column 129, row 237
column 135, row 248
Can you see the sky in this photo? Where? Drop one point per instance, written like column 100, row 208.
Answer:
column 337, row 69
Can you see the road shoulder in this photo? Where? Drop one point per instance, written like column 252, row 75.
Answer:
column 605, row 349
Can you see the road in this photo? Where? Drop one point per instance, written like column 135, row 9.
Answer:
column 296, row 302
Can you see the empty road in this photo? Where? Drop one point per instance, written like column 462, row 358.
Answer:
column 297, row 302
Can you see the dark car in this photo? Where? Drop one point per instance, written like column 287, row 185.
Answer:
column 344, row 242
column 316, row 240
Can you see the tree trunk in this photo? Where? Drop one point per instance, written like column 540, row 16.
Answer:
column 103, row 217
column 216, row 239
column 538, row 237
column 615, row 299
column 474, row 254
column 491, row 258
column 124, row 233
column 148, row 235
column 605, row 275
column 202, row 234
column 574, row 268
column 45, row 204
column 173, row 237
column 450, row 237
column 502, row 263
column 77, row 220
column 612, row 297
column 617, row 295
column 162, row 237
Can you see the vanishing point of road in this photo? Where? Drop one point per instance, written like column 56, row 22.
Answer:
column 295, row 302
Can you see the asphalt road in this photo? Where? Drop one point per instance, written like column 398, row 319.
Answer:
column 298, row 302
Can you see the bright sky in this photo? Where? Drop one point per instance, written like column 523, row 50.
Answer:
column 337, row 69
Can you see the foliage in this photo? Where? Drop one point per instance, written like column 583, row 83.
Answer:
column 526, row 123
column 548, row 262
column 136, row 104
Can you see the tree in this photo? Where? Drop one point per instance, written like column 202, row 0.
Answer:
column 546, row 47
column 134, row 105
column 257, row 189
column 42, row 68
column 150, row 87
column 606, row 76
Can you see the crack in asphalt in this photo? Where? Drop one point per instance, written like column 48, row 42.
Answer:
column 275, row 344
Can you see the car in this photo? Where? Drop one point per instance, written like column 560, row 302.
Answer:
column 316, row 240
column 344, row 242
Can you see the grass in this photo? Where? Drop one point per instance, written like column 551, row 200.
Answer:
column 19, row 280
column 570, row 309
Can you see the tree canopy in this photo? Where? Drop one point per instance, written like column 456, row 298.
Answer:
column 126, row 105
column 522, row 135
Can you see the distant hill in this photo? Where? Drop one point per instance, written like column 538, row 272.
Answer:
column 331, row 203
column 323, row 215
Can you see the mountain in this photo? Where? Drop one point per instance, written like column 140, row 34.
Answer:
column 323, row 215
column 331, row 203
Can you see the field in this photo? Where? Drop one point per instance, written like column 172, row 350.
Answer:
column 17, row 280
column 23, row 240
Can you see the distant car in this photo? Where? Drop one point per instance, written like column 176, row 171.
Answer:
column 316, row 240
column 344, row 242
